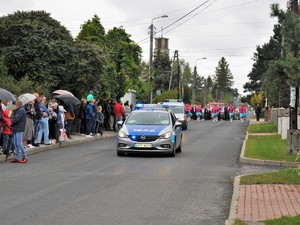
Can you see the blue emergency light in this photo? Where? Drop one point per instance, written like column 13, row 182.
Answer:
column 172, row 100
column 150, row 106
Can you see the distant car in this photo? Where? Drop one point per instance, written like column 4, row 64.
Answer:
column 149, row 129
column 177, row 106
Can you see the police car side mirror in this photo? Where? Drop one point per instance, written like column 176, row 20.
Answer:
column 178, row 124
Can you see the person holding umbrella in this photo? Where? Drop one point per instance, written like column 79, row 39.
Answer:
column 70, row 116
column 43, row 124
column 18, row 123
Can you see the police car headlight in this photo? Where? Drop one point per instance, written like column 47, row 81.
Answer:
column 166, row 135
column 181, row 119
column 122, row 134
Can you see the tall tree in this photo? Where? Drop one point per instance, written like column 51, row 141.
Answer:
column 92, row 31
column 162, row 73
column 126, row 57
column 265, row 54
column 223, row 79
column 36, row 46
column 291, row 43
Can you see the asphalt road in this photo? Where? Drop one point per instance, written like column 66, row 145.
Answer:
column 89, row 184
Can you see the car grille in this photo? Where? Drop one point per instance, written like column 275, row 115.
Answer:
column 142, row 138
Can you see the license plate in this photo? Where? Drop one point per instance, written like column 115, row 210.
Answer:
column 143, row 145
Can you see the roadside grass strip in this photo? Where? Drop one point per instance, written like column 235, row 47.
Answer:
column 286, row 176
column 270, row 147
column 262, row 128
column 284, row 221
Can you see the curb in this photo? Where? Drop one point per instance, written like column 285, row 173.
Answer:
column 236, row 183
column 62, row 145
column 243, row 159
column 234, row 201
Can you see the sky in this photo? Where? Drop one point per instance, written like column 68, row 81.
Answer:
column 198, row 29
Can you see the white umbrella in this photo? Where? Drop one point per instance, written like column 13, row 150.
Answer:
column 62, row 92
column 25, row 98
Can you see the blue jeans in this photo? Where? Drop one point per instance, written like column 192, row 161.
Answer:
column 43, row 130
column 91, row 125
column 69, row 127
column 18, row 138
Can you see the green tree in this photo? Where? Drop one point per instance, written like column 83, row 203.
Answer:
column 268, row 74
column 223, row 80
column 162, row 73
column 186, row 81
column 291, row 43
column 92, row 31
column 36, row 46
column 125, row 56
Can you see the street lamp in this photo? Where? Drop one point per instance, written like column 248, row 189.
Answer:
column 151, row 54
column 194, row 80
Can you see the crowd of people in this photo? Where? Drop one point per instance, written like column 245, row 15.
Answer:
column 216, row 112
column 39, row 121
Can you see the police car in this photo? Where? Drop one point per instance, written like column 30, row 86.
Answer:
column 150, row 128
column 177, row 106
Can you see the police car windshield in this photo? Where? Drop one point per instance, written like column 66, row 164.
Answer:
column 148, row 118
column 176, row 109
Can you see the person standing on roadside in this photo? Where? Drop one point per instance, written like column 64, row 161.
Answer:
column 257, row 112
column 2, row 120
column 37, row 117
column 107, row 115
column 18, row 123
column 7, row 134
column 82, row 116
column 70, row 116
column 119, row 112
column 127, row 109
column 91, row 118
column 43, row 124
column 28, row 133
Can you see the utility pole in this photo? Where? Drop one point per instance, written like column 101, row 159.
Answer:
column 194, row 84
column 171, row 76
column 151, row 56
column 178, row 71
column 195, row 80
column 294, row 90
column 293, row 134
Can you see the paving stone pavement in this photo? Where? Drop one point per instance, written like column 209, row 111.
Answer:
column 256, row 203
column 263, row 202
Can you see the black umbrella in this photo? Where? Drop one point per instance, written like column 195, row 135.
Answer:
column 6, row 95
column 68, row 98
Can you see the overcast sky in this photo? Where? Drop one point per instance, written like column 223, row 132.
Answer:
column 217, row 28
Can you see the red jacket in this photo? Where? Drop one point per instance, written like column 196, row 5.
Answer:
column 7, row 129
column 119, row 110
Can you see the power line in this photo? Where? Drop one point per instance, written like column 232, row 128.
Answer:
column 179, row 19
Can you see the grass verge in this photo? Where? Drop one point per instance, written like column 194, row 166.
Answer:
column 268, row 147
column 284, row 221
column 286, row 176
column 262, row 128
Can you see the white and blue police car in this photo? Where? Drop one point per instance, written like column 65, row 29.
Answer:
column 177, row 106
column 150, row 128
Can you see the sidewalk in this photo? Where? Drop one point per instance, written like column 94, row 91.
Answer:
column 255, row 203
column 76, row 139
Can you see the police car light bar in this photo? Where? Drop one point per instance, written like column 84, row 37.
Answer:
column 150, row 106
column 172, row 100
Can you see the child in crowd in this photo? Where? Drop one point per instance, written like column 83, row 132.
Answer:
column 99, row 120
column 7, row 134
